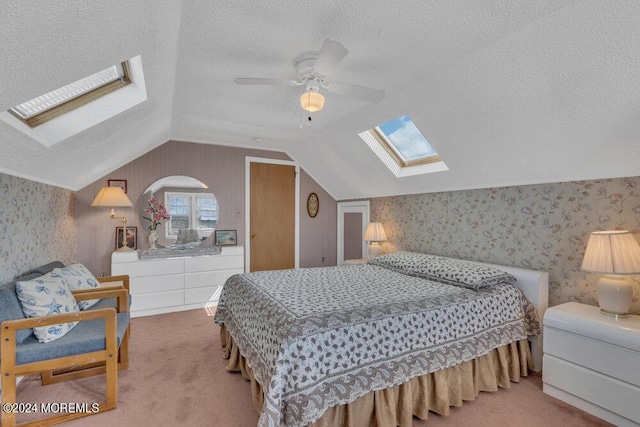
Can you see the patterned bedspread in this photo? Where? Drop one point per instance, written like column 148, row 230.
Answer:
column 320, row 337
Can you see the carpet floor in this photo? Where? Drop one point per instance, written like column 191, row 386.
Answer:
column 177, row 376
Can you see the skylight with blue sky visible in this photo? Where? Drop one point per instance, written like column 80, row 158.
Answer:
column 403, row 148
column 406, row 140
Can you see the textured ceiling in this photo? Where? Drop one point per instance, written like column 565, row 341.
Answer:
column 508, row 92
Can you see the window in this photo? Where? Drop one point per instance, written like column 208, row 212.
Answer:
column 52, row 118
column 405, row 142
column 51, row 105
column 402, row 148
column 197, row 211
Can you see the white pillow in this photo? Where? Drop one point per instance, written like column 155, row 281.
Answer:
column 79, row 277
column 43, row 296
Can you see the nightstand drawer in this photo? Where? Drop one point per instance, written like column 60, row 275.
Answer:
column 608, row 359
column 616, row 396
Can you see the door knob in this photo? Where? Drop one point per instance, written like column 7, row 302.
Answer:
column 253, row 236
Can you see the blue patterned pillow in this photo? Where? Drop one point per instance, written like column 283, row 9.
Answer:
column 79, row 277
column 447, row 270
column 44, row 296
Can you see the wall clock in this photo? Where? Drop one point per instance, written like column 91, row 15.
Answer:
column 313, row 204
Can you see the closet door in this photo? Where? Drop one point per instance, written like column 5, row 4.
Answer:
column 272, row 216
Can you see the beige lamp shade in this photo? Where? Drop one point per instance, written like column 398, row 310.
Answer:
column 615, row 254
column 111, row 197
column 114, row 197
column 312, row 101
column 612, row 252
column 374, row 234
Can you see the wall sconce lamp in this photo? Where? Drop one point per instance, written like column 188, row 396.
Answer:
column 114, row 197
column 615, row 254
column 374, row 234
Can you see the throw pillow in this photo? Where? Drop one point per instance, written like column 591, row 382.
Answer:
column 79, row 277
column 44, row 296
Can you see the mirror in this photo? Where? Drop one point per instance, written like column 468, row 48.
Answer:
column 353, row 218
column 190, row 204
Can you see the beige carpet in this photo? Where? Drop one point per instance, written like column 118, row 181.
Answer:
column 177, row 377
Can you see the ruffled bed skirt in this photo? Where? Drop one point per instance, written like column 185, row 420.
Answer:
column 396, row 406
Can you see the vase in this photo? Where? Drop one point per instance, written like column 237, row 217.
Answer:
column 153, row 239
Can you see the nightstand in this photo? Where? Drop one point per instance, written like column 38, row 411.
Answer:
column 592, row 361
column 355, row 261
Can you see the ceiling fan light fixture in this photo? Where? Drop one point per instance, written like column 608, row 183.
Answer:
column 312, row 101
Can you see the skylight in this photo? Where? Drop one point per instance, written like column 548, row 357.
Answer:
column 402, row 148
column 43, row 108
column 69, row 110
column 406, row 142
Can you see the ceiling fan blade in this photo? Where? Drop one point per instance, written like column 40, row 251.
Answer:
column 259, row 81
column 355, row 91
column 331, row 54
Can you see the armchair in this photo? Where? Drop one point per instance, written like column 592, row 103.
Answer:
column 98, row 344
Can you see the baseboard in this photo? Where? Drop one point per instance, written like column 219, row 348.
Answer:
column 164, row 310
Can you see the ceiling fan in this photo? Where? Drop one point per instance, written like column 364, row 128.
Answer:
column 312, row 69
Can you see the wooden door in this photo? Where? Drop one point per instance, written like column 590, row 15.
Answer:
column 272, row 216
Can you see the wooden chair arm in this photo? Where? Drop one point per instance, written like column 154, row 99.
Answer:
column 101, row 288
column 124, row 279
column 54, row 319
column 107, row 292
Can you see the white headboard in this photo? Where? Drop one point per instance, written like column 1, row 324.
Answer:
column 535, row 285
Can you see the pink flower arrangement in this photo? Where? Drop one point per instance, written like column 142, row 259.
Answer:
column 157, row 213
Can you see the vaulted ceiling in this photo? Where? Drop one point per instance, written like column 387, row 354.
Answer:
column 507, row 91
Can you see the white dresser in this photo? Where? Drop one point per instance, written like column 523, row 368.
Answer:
column 175, row 284
column 592, row 361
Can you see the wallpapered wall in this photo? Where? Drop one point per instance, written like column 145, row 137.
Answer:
column 36, row 225
column 541, row 227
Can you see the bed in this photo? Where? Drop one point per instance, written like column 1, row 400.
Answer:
column 379, row 343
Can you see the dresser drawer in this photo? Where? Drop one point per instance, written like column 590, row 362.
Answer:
column 214, row 262
column 157, row 300
column 617, row 362
column 150, row 284
column 208, row 278
column 614, row 395
column 210, row 294
column 143, row 268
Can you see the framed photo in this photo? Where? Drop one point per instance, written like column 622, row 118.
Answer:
column 120, row 183
column 226, row 237
column 132, row 237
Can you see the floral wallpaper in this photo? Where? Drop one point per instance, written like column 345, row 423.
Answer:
column 37, row 225
column 541, row 227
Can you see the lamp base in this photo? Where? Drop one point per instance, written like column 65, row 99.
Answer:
column 124, row 249
column 615, row 316
column 374, row 249
column 614, row 295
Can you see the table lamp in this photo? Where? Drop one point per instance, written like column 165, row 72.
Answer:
column 615, row 254
column 115, row 197
column 374, row 234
